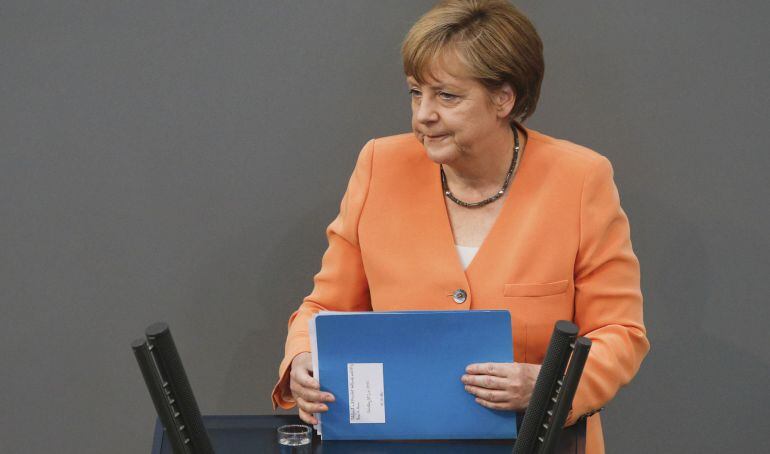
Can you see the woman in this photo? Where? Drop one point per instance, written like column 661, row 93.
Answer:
column 472, row 210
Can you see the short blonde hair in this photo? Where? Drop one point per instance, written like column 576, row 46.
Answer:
column 495, row 41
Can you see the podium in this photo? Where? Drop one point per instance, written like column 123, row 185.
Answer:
column 542, row 427
column 257, row 433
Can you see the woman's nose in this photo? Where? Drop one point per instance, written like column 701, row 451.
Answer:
column 425, row 111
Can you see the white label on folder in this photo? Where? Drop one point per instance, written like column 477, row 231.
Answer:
column 366, row 392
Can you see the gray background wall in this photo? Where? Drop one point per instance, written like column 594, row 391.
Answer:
column 179, row 161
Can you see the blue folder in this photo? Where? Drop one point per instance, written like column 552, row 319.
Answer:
column 403, row 370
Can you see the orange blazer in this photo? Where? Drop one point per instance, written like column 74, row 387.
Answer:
column 559, row 250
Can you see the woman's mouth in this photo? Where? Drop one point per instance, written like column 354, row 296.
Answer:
column 435, row 138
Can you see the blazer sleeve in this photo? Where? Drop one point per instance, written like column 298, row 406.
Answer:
column 608, row 299
column 341, row 283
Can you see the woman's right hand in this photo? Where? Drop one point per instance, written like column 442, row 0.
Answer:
column 306, row 390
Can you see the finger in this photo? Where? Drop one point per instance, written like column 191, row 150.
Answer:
column 315, row 396
column 305, row 379
column 307, row 417
column 491, row 405
column 496, row 369
column 311, row 407
column 311, row 395
column 484, row 381
column 486, row 394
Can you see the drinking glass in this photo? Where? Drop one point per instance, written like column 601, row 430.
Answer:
column 295, row 435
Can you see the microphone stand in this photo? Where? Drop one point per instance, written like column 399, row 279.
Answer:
column 170, row 391
column 554, row 391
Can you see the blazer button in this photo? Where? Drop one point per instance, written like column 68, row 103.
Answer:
column 459, row 296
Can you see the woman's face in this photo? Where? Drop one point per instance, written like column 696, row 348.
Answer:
column 452, row 115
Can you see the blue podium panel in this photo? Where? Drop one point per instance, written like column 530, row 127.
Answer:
column 257, row 434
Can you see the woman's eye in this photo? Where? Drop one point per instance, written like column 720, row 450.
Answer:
column 413, row 92
column 447, row 96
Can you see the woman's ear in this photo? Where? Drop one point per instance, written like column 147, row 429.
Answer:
column 504, row 99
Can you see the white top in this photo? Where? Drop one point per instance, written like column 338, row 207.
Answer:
column 466, row 254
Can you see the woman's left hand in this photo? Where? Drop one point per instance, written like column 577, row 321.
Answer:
column 501, row 386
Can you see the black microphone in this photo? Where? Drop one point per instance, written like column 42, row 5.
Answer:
column 155, row 385
column 549, row 379
column 566, row 394
column 170, row 391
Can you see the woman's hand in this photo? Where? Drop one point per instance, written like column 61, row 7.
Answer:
column 501, row 386
column 306, row 390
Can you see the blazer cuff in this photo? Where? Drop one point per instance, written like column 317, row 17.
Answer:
column 281, row 395
column 573, row 417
